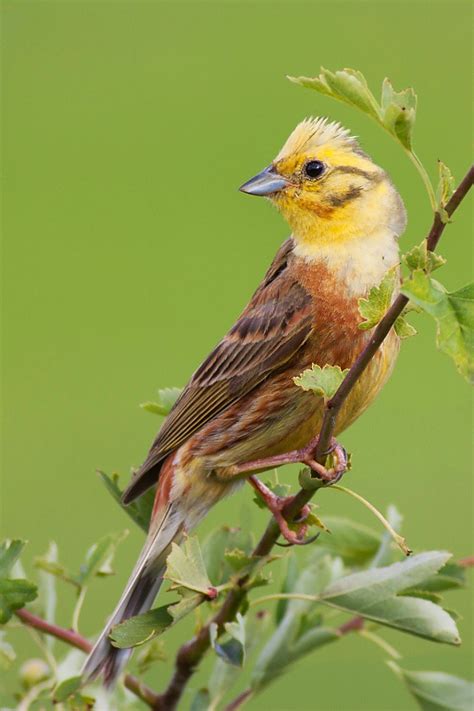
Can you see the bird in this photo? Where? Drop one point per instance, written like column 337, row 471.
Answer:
column 241, row 412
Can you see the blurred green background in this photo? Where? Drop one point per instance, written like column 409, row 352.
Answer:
column 128, row 127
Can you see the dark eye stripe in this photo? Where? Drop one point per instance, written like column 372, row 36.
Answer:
column 351, row 169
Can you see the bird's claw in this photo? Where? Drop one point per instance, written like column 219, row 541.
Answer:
column 334, row 473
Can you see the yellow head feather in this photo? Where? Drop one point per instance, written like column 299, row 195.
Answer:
column 313, row 133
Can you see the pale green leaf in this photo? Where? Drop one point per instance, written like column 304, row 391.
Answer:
column 322, row 381
column 215, row 546
column 98, row 558
column 292, row 638
column 139, row 510
column 142, row 628
column 403, row 329
column 399, row 112
column 446, row 184
column 347, row 85
column 374, row 594
column 454, row 316
column 166, row 399
column 185, row 567
column 374, row 307
column 66, row 688
column 420, row 257
column 231, row 651
column 437, row 691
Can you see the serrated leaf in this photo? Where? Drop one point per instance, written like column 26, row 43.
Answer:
column 166, row 400
column 347, row 85
column 355, row 543
column 446, row 185
column 7, row 653
column 322, row 381
column 215, row 546
column 373, row 594
column 420, row 257
column 185, row 567
column 454, row 316
column 403, row 329
column 437, row 691
column 139, row 510
column 374, row 307
column 399, row 112
column 142, row 628
column 292, row 639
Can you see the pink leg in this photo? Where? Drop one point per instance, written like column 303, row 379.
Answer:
column 276, row 504
column 304, row 456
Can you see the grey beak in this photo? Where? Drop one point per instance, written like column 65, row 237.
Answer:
column 265, row 183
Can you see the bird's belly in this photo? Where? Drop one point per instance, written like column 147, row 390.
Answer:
column 278, row 417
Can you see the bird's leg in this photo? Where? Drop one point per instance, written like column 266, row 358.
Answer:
column 276, row 504
column 306, row 455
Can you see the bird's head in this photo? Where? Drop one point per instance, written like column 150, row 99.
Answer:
column 327, row 188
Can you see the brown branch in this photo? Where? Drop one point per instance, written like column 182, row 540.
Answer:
column 191, row 653
column 74, row 639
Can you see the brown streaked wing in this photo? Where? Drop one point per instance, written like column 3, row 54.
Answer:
column 272, row 328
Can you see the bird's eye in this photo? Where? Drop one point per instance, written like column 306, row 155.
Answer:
column 314, row 168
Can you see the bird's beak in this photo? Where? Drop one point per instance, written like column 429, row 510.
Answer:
column 265, row 183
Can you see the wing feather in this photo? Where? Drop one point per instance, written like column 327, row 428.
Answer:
column 270, row 331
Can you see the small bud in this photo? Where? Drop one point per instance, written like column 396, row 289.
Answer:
column 34, row 671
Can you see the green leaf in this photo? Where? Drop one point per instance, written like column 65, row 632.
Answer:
column 374, row 594
column 403, row 329
column 139, row 510
column 142, row 628
column 322, row 381
column 451, row 576
column 446, row 185
column 233, row 651
column 289, row 583
column 399, row 113
column 7, row 653
column 149, row 655
column 214, row 551
column 166, row 399
column 185, row 567
column 201, row 701
column 295, row 636
column 420, row 257
column 10, row 552
column 454, row 316
column 347, row 85
column 437, row 691
column 15, row 593
column 99, row 557
column 355, row 543
column 66, row 688
column 374, row 307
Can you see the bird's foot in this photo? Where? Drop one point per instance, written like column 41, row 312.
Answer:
column 277, row 504
column 340, row 460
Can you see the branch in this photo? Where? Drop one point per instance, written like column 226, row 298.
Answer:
column 191, row 653
column 74, row 639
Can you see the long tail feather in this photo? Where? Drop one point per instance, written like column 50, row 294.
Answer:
column 138, row 596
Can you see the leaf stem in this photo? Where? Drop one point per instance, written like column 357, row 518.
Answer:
column 425, row 178
column 380, row 642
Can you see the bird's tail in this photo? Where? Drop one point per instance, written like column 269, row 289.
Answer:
column 142, row 587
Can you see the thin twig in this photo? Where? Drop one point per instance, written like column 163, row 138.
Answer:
column 74, row 639
column 191, row 653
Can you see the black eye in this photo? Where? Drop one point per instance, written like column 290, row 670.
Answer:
column 314, row 168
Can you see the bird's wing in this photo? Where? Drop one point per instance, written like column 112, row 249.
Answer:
column 272, row 328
